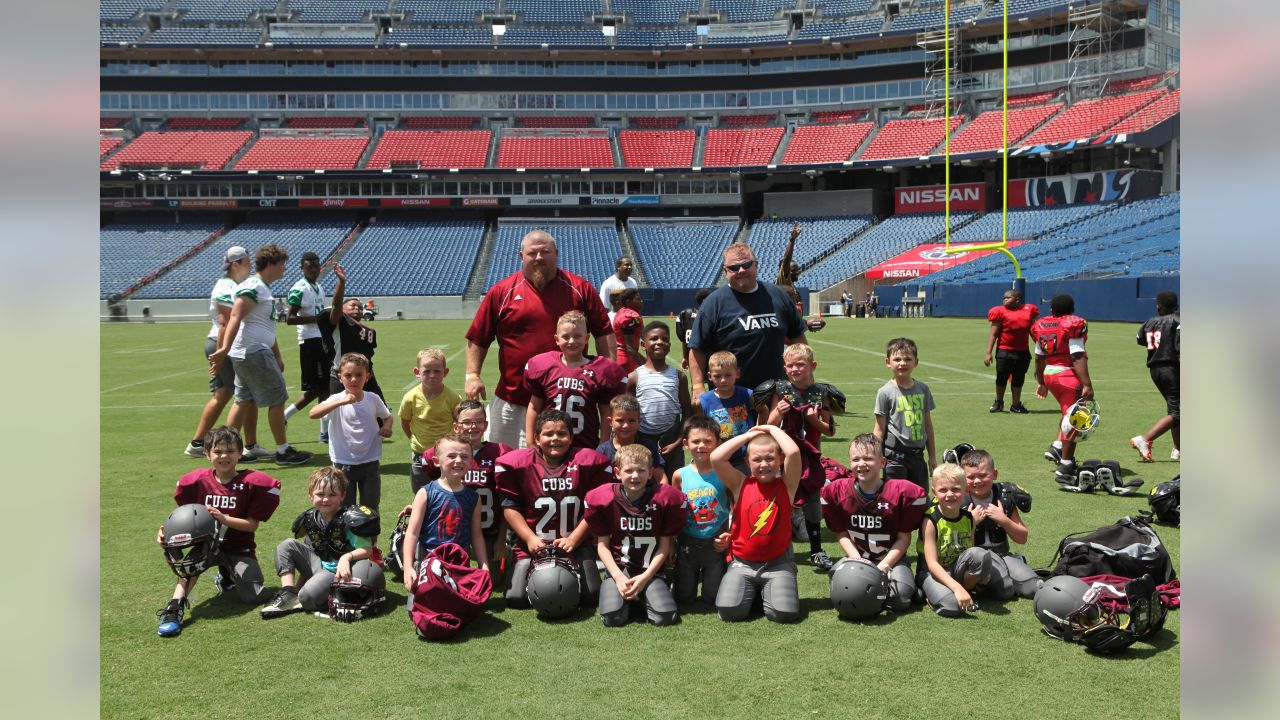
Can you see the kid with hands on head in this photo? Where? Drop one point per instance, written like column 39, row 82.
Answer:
column 355, row 446
column 445, row 511
column 634, row 521
column 328, row 540
column 759, row 539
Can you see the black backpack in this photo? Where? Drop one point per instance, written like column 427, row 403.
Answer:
column 1128, row 548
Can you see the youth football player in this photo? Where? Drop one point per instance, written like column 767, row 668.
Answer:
column 567, row 379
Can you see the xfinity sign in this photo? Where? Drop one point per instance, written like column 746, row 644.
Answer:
column 932, row 198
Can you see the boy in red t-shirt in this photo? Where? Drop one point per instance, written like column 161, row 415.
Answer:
column 1010, row 328
column 759, row 541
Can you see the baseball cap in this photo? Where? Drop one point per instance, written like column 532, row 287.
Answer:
column 235, row 253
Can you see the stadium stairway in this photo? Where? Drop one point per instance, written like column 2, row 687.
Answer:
column 244, row 150
column 629, row 250
column 495, row 142
column 700, row 146
column 476, row 287
column 363, row 162
column 782, row 145
column 866, row 142
column 615, row 147
column 343, row 247
column 190, row 253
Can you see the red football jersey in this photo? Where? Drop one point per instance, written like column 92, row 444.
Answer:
column 550, row 499
column 627, row 325
column 873, row 524
column 1053, row 336
column 634, row 529
column 1014, row 325
column 578, row 391
column 523, row 321
column 250, row 495
column 480, row 477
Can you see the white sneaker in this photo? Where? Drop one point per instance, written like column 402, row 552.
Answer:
column 1175, row 455
column 258, row 451
column 193, row 451
column 1143, row 447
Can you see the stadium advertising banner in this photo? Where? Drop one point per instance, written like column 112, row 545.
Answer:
column 925, row 259
column 932, row 198
column 333, row 202
column 416, row 202
column 624, row 200
column 1079, row 188
column 544, row 200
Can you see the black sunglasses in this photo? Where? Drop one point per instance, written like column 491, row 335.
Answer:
column 740, row 266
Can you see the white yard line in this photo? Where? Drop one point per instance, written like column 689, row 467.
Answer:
column 880, row 353
column 148, row 380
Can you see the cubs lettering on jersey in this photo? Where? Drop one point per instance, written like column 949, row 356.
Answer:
column 549, row 499
column 634, row 527
column 873, row 524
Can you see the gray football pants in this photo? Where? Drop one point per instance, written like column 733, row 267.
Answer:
column 659, row 606
column 773, row 581
column 295, row 556
column 245, row 573
column 697, row 559
column 516, row 590
column 973, row 561
column 902, row 585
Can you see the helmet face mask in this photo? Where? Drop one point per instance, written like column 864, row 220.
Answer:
column 858, row 589
column 394, row 562
column 359, row 596
column 191, row 540
column 1080, row 419
column 553, row 587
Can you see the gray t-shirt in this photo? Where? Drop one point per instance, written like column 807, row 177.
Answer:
column 905, row 409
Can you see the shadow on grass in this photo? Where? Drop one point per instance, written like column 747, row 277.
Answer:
column 1146, row 647
column 400, row 470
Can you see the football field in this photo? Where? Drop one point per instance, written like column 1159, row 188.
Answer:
column 229, row 662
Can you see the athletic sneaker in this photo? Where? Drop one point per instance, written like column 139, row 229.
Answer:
column 821, row 561
column 171, row 618
column 324, row 438
column 1143, row 447
column 292, row 457
column 193, row 450
column 285, row 601
column 1019, row 408
column 1175, row 455
column 1066, row 475
column 997, row 406
column 222, row 581
column 257, row 451
column 1053, row 454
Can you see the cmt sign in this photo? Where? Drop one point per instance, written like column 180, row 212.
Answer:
column 932, row 198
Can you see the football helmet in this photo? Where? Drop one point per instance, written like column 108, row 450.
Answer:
column 1166, row 501
column 553, row 586
column 394, row 559
column 858, row 589
column 358, row 596
column 191, row 539
column 1071, row 610
column 1081, row 419
column 956, row 454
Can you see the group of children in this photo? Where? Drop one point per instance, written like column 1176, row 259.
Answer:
column 604, row 481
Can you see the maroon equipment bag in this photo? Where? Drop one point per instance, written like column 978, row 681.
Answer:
column 448, row 593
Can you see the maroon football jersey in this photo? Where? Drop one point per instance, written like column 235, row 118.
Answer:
column 251, row 495
column 577, row 391
column 873, row 524
column 1053, row 336
column 634, row 529
column 550, row 499
column 480, row 477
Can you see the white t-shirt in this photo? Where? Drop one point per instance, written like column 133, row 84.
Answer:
column 309, row 299
column 257, row 329
column 220, row 296
column 610, row 284
column 353, row 430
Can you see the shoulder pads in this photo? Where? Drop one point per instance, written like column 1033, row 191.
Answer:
column 762, row 395
column 832, row 398
column 1010, row 494
column 301, row 523
column 361, row 521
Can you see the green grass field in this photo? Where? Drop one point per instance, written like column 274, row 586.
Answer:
column 228, row 662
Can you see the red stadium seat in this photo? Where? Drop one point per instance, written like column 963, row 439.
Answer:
column 1091, row 118
column 825, row 143
column 107, row 144
column 323, row 122
column 658, row 148
column 555, row 152
column 744, row 121
column 986, row 131
column 553, row 121
column 746, row 147
column 195, row 123
column 450, row 122
column 667, row 122
column 1151, row 115
column 910, row 138
column 839, row 116
column 431, row 149
column 112, row 122
column 304, row 153
column 1133, row 84
column 1035, row 98
column 206, row 150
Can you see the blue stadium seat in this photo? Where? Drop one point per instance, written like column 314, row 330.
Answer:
column 750, row 10
column 682, row 252
column 893, row 236
column 413, row 256
column 656, row 12
column 769, row 239
column 843, row 8
column 587, row 249
column 222, row 10
column 185, row 36
column 137, row 245
column 444, row 12
column 554, row 12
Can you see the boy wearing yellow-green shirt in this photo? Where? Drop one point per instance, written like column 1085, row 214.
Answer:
column 426, row 411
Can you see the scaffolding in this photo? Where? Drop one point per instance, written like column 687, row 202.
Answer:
column 945, row 56
column 1093, row 39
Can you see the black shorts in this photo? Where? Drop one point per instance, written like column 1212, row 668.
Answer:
column 314, row 364
column 1166, row 379
column 907, row 464
column 1012, row 365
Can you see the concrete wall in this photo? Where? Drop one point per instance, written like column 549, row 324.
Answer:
column 412, row 308
column 1115, row 299
column 828, row 203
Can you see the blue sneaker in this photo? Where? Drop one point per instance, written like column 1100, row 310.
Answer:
column 171, row 618
column 324, row 438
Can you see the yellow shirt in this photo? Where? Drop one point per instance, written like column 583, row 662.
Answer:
column 428, row 419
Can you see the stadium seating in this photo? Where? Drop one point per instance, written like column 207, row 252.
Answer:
column 589, row 249
column 221, row 10
column 133, row 247
column 519, row 35
column 818, row 235
column 114, row 35
column 892, row 237
column 111, row 122
column 1133, row 84
column 640, row 37
column 446, row 122
column 986, row 132
column 441, row 37
column 554, row 12
column 825, row 143
column 841, row 28
column 657, row 148
column 746, row 148
column 295, row 232
column 1095, row 240
column 656, row 12
column 666, row 122
column 1091, row 118
column 843, row 8
column 188, row 36
column 909, row 138
column 741, row 11
column 445, row 11
column 1035, row 98
column 401, row 255
column 206, row 150
column 199, row 123
column 335, row 11
column 933, row 19
column 682, row 253
column 1151, row 115
column 304, row 153
column 839, row 116
column 553, row 121
column 126, row 9
column 431, row 149
column 746, row 121
column 322, row 121
column 107, row 144
column 555, row 152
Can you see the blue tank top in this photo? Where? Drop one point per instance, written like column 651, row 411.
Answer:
column 447, row 518
column 708, row 503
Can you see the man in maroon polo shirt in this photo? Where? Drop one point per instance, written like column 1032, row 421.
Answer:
column 520, row 312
